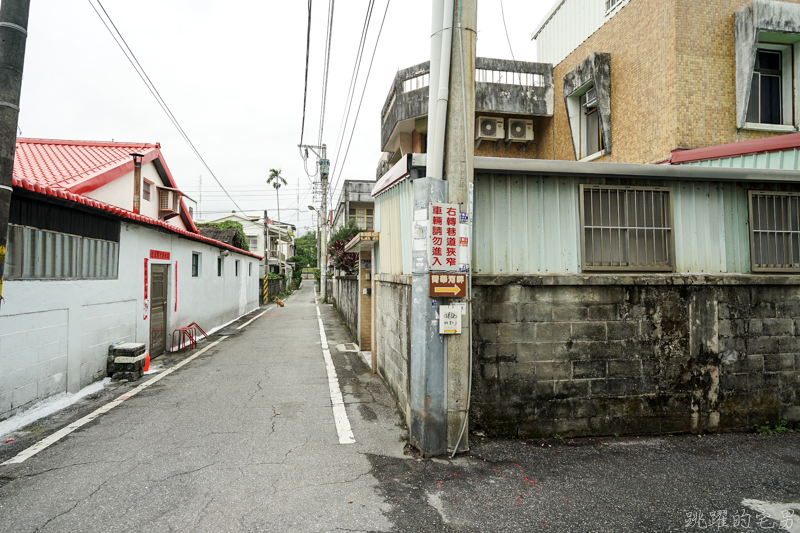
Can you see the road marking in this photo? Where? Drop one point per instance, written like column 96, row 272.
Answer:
column 337, row 402
column 787, row 515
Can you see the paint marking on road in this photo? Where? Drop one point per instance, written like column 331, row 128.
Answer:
column 63, row 432
column 785, row 515
column 337, row 402
column 255, row 318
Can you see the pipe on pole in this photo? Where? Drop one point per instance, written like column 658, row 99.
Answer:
column 13, row 37
column 442, row 94
column 437, row 16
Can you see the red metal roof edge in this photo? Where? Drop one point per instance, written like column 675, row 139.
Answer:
column 395, row 174
column 123, row 213
column 757, row 146
column 75, row 142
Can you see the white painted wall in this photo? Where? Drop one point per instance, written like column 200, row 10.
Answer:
column 54, row 335
column 569, row 24
column 120, row 193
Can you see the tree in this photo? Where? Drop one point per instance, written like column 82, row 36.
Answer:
column 305, row 251
column 346, row 261
column 277, row 180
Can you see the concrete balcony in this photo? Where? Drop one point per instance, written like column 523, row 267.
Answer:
column 501, row 87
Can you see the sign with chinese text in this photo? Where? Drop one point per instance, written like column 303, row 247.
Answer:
column 449, row 319
column 157, row 254
column 448, row 285
column 443, row 237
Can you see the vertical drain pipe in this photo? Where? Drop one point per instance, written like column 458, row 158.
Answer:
column 435, row 168
column 137, row 182
column 433, row 82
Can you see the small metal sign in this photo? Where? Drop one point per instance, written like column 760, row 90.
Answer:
column 448, row 285
column 449, row 319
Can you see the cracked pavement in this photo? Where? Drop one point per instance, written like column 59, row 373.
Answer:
column 243, row 439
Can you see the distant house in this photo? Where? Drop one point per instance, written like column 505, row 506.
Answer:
column 275, row 244
column 356, row 204
column 83, row 270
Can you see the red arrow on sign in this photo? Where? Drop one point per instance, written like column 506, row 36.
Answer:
column 454, row 289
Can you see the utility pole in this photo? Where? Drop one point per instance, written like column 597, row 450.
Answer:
column 13, row 36
column 322, row 220
column 458, row 164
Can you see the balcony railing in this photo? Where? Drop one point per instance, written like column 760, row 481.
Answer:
column 501, row 86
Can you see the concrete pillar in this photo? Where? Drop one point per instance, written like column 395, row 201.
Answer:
column 459, row 152
column 428, row 426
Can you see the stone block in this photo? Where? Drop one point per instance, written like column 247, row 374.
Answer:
column 604, row 312
column 788, row 309
column 732, row 345
column 609, row 387
column 535, row 312
column 763, row 310
column 572, row 388
column 554, row 409
column 622, row 330
column 586, row 408
column 593, row 331
column 624, row 368
column 553, row 331
column 506, row 371
column 497, row 352
column 498, row 312
column 566, row 314
column 487, row 332
column 792, row 413
column 553, row 370
column 763, row 345
column 22, row 396
column 773, row 327
column 789, row 344
column 732, row 328
column 778, row 362
column 544, row 390
column 572, row 427
column 528, row 352
column 515, row 332
column 588, row 369
column 489, row 371
column 734, row 382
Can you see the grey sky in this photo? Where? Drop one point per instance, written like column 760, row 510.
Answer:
column 232, row 73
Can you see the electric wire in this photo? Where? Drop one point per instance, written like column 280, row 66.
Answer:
column 503, row 14
column 353, row 79
column 131, row 57
column 361, row 101
column 305, row 88
column 326, row 71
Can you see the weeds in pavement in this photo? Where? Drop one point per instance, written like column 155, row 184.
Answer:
column 776, row 430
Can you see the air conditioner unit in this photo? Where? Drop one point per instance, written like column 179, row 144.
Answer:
column 519, row 130
column 591, row 97
column 490, row 128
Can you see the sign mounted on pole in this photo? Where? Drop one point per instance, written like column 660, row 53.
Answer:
column 449, row 319
column 443, row 237
column 448, row 285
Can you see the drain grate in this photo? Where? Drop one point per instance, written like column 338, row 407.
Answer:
column 347, row 347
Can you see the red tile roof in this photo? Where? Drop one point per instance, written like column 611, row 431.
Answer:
column 757, row 146
column 67, row 169
column 77, row 166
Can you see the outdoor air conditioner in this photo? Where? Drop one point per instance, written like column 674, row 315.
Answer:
column 490, row 128
column 519, row 130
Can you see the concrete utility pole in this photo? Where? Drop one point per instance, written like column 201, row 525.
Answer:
column 13, row 36
column 322, row 221
column 458, row 163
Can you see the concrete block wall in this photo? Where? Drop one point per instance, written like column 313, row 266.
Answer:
column 393, row 334
column 346, row 295
column 578, row 355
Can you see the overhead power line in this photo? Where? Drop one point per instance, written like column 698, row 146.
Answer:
column 305, row 88
column 361, row 101
column 131, row 57
column 328, row 39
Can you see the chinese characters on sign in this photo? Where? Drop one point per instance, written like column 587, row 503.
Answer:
column 158, row 254
column 740, row 519
column 449, row 319
column 448, row 285
column 443, row 237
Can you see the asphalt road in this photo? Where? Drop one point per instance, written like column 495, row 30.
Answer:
column 243, row 438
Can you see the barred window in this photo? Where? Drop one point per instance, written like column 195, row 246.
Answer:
column 39, row 254
column 610, row 4
column 626, row 228
column 146, row 191
column 774, row 231
column 163, row 203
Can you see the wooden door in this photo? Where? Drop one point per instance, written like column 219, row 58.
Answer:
column 158, row 310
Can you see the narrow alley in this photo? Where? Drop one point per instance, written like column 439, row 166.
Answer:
column 244, row 438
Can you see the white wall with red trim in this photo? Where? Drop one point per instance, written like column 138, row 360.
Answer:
column 54, row 334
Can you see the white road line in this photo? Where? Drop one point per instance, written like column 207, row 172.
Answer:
column 337, row 402
column 256, row 318
column 786, row 516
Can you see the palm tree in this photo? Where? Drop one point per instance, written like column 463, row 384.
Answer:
column 277, row 180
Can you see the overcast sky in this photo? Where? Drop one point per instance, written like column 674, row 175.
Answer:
column 232, row 73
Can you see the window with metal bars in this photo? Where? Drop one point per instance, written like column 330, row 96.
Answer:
column 626, row 228
column 774, row 231
column 163, row 200
column 610, row 4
